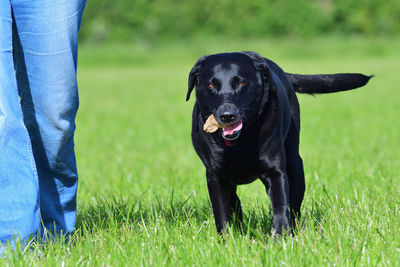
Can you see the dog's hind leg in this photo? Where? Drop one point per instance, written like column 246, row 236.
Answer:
column 295, row 172
column 296, row 188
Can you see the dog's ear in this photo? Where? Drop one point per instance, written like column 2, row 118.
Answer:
column 261, row 65
column 193, row 75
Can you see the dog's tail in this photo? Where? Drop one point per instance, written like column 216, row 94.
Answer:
column 327, row 83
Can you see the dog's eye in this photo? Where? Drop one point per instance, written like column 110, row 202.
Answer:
column 242, row 83
column 210, row 85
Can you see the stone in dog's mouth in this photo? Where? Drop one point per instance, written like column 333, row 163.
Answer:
column 232, row 132
column 228, row 132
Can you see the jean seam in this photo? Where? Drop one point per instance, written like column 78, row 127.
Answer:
column 28, row 141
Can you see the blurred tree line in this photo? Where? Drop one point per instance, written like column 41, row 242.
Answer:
column 149, row 19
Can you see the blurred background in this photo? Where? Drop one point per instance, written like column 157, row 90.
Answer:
column 137, row 20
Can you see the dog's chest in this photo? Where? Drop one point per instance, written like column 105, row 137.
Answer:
column 239, row 166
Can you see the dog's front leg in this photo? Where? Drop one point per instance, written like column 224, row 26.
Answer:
column 277, row 185
column 221, row 197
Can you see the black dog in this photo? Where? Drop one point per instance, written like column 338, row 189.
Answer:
column 254, row 102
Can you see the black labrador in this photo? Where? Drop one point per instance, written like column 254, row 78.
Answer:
column 254, row 102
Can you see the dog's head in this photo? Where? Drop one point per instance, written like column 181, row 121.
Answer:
column 233, row 87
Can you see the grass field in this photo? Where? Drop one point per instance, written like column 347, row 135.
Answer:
column 142, row 196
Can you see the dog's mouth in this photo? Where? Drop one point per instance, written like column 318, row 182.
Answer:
column 232, row 132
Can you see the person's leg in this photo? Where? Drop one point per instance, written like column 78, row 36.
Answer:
column 19, row 197
column 48, row 37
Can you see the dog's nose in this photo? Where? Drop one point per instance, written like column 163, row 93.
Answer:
column 228, row 117
column 227, row 113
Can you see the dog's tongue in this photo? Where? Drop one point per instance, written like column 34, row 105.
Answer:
column 233, row 128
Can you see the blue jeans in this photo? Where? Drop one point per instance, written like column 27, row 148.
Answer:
column 38, row 105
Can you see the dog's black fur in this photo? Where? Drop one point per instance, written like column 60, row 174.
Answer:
column 249, row 88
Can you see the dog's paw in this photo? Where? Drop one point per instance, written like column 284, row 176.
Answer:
column 280, row 225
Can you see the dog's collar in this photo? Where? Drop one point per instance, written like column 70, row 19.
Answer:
column 229, row 139
column 228, row 143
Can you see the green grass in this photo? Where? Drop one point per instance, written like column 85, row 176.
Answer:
column 143, row 198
